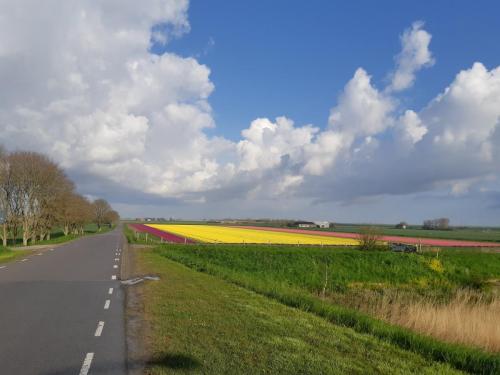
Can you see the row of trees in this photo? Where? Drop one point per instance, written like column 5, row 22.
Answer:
column 441, row 223
column 36, row 197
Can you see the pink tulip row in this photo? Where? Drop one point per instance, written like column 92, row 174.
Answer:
column 396, row 239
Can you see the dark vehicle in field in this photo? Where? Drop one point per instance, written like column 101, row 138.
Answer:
column 403, row 248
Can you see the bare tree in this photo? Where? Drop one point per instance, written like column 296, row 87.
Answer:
column 67, row 210
column 55, row 186
column 101, row 209
column 36, row 196
column 38, row 183
column 112, row 218
column 81, row 213
column 442, row 224
column 370, row 239
column 5, row 192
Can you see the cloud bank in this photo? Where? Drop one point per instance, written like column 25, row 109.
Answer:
column 81, row 84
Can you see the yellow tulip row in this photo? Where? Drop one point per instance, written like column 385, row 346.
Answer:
column 220, row 234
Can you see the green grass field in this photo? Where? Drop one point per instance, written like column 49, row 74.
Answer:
column 298, row 277
column 201, row 324
column 308, row 267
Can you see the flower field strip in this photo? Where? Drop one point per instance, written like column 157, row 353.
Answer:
column 401, row 239
column 220, row 234
column 169, row 237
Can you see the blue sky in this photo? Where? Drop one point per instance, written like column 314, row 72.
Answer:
column 212, row 118
column 293, row 58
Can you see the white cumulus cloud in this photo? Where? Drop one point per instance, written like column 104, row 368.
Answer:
column 415, row 55
column 80, row 83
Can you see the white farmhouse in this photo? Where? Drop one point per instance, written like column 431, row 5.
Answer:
column 322, row 224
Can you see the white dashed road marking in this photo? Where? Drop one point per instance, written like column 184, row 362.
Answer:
column 86, row 364
column 115, row 266
column 110, row 291
column 3, row 267
column 39, row 254
column 117, row 259
column 106, row 304
column 99, row 329
column 24, row 260
column 113, row 277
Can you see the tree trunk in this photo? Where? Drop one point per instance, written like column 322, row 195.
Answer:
column 4, row 235
column 25, row 239
column 66, row 230
column 48, row 236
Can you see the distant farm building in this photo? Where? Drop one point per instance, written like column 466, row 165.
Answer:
column 303, row 224
column 310, row 224
column 322, row 224
column 402, row 225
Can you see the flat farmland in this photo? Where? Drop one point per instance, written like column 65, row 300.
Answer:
column 404, row 239
column 465, row 234
column 219, row 234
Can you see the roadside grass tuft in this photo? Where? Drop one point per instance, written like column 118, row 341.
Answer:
column 7, row 255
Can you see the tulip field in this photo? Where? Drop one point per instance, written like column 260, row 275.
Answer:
column 220, row 234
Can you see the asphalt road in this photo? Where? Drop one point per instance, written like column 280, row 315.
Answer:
column 58, row 314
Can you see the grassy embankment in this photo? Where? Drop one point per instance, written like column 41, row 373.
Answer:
column 332, row 283
column 199, row 323
column 140, row 237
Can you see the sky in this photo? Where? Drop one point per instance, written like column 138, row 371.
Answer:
column 357, row 111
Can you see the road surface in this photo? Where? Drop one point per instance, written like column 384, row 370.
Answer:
column 62, row 310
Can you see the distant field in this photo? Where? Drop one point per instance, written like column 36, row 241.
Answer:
column 220, row 234
column 470, row 234
column 319, row 280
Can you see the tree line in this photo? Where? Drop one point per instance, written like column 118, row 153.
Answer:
column 441, row 224
column 36, row 197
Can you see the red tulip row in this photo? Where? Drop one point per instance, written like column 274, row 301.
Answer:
column 168, row 237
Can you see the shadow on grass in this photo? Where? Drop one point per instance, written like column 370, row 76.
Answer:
column 175, row 361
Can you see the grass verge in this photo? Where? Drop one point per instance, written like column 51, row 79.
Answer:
column 58, row 237
column 201, row 324
column 292, row 275
column 7, row 255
